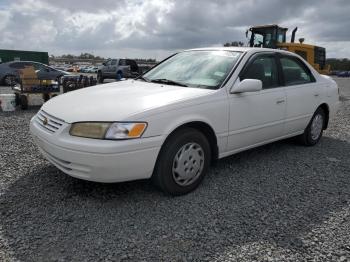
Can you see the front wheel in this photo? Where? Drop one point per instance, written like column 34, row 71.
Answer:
column 314, row 130
column 182, row 163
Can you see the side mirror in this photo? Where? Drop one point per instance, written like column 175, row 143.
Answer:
column 104, row 64
column 247, row 85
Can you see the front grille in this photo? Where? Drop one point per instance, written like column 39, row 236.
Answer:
column 48, row 122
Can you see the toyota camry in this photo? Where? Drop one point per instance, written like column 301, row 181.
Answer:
column 191, row 109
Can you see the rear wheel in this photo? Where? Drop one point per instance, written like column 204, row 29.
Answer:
column 182, row 163
column 314, row 130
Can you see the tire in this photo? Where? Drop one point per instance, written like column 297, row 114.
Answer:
column 119, row 76
column 314, row 129
column 186, row 143
column 24, row 102
column 100, row 78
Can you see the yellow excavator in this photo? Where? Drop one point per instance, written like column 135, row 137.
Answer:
column 274, row 36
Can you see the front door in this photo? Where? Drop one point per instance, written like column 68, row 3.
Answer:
column 257, row 117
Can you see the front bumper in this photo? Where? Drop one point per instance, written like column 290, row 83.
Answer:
column 97, row 160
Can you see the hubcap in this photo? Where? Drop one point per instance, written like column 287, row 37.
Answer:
column 188, row 164
column 316, row 127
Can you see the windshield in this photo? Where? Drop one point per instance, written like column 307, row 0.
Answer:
column 203, row 69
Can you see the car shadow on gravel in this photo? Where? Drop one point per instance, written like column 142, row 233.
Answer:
column 274, row 194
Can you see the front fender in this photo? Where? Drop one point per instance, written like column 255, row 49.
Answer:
column 215, row 114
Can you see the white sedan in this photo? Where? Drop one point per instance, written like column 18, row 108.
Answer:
column 193, row 108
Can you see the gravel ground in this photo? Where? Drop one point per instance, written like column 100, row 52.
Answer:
column 279, row 202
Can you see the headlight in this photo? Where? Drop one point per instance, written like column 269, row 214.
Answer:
column 117, row 130
column 125, row 130
column 90, row 130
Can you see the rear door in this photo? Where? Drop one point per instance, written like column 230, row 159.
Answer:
column 302, row 91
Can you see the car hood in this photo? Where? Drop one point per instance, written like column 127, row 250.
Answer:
column 118, row 101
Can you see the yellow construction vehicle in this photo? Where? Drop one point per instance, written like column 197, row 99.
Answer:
column 274, row 36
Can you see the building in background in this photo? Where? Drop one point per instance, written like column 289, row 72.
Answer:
column 20, row 55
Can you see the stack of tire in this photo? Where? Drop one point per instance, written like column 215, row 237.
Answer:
column 71, row 83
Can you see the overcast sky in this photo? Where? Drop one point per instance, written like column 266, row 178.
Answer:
column 157, row 28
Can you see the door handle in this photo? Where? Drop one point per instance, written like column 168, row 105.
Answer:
column 316, row 95
column 280, row 101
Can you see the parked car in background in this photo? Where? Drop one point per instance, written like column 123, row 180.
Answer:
column 333, row 72
column 118, row 69
column 194, row 107
column 73, row 68
column 343, row 74
column 9, row 72
column 91, row 69
column 83, row 69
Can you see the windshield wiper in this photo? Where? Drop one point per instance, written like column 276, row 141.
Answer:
column 167, row 82
column 142, row 78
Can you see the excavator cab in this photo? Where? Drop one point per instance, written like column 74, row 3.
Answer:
column 274, row 36
column 267, row 36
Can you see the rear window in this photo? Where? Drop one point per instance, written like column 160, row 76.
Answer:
column 295, row 72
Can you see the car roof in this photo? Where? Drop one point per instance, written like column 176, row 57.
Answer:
column 221, row 48
column 241, row 49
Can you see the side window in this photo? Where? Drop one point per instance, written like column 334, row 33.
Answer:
column 263, row 68
column 295, row 72
column 122, row 62
column 114, row 62
column 38, row 66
